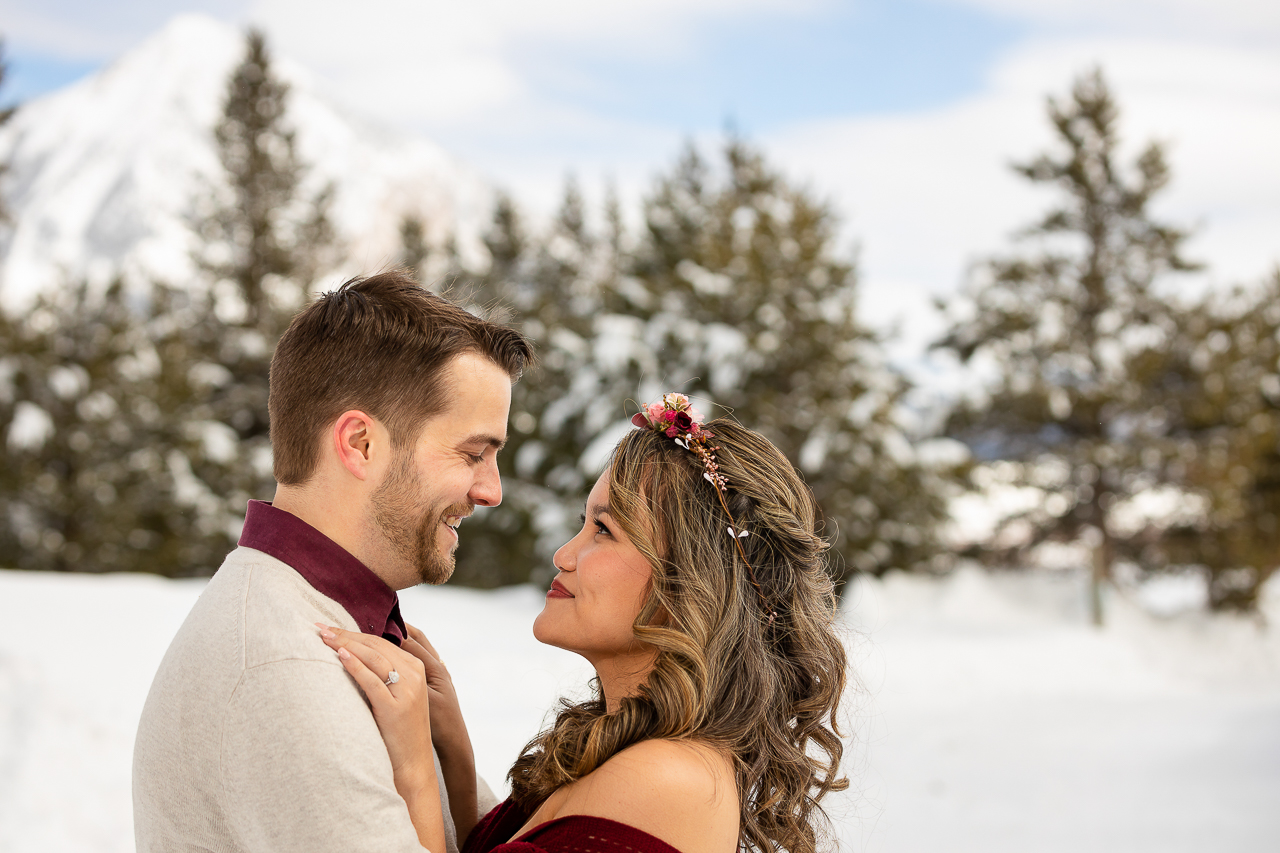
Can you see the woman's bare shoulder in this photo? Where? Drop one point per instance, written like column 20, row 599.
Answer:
column 679, row 791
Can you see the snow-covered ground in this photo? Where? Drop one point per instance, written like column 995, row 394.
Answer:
column 988, row 717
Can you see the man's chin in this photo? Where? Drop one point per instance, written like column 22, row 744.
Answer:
column 435, row 576
column 437, row 570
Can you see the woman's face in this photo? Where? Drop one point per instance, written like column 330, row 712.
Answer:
column 602, row 583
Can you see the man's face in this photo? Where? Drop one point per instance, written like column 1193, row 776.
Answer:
column 450, row 469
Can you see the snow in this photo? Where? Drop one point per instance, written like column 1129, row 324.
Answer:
column 106, row 175
column 31, row 426
column 987, row 715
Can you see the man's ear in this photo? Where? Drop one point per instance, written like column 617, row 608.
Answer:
column 356, row 438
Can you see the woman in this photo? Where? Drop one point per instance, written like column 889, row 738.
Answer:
column 697, row 589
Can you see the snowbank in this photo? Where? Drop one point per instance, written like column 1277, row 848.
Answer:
column 988, row 716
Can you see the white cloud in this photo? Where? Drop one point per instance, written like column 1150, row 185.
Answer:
column 87, row 30
column 473, row 76
column 931, row 191
column 448, row 62
column 1256, row 21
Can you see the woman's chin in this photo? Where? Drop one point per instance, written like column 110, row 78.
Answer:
column 541, row 630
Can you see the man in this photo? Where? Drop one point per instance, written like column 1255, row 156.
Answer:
column 388, row 407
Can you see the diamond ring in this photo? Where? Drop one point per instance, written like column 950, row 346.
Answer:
column 392, row 678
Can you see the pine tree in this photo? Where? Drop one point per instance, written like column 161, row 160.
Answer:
column 734, row 295
column 266, row 238
column 414, row 250
column 1062, row 326
column 1215, row 392
column 262, row 232
column 747, row 304
column 111, row 444
column 137, row 425
column 554, row 283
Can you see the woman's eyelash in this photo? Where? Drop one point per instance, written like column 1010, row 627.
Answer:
column 601, row 527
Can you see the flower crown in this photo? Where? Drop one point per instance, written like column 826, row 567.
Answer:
column 674, row 417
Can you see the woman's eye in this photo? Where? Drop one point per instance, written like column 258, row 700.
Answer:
column 601, row 528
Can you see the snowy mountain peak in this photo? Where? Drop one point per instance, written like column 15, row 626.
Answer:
column 104, row 174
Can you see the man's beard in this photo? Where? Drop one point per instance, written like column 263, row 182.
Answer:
column 414, row 537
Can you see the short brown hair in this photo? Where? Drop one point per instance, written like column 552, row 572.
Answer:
column 379, row 344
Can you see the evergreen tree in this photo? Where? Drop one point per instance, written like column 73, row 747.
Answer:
column 414, row 250
column 747, row 304
column 137, row 424
column 1215, row 392
column 1062, row 326
column 262, row 232
column 112, row 451
column 733, row 295
column 555, row 284
column 266, row 239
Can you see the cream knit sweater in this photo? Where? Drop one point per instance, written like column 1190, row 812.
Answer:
column 254, row 738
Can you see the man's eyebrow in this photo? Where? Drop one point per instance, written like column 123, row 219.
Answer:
column 485, row 438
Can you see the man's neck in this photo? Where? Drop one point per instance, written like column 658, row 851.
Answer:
column 322, row 514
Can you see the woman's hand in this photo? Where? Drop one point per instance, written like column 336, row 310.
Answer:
column 448, row 733
column 401, row 708
column 448, row 729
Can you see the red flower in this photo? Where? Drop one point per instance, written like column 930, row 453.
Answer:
column 683, row 421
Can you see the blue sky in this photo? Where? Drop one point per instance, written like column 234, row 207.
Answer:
column 31, row 74
column 766, row 72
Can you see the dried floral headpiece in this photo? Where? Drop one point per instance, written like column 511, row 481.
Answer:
column 675, row 418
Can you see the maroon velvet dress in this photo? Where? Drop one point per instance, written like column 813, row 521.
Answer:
column 570, row 834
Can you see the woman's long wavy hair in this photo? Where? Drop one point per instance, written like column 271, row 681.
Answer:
column 765, row 692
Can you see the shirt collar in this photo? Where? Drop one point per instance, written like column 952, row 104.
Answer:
column 327, row 566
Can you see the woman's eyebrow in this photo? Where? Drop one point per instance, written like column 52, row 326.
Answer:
column 599, row 509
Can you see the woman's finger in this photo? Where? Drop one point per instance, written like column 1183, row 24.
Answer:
column 421, row 639
column 422, row 653
column 374, row 652
column 367, row 679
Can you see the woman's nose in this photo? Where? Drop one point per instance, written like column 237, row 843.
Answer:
column 566, row 557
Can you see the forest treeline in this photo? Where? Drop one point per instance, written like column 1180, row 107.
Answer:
column 1138, row 427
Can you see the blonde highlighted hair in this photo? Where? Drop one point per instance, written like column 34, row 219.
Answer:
column 764, row 691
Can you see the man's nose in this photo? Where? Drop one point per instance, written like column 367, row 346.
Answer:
column 487, row 488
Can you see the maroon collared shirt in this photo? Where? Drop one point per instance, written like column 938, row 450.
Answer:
column 327, row 566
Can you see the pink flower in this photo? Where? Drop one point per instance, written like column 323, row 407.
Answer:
column 672, row 432
column 669, row 416
column 655, row 412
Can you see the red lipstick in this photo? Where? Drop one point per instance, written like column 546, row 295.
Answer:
column 558, row 591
